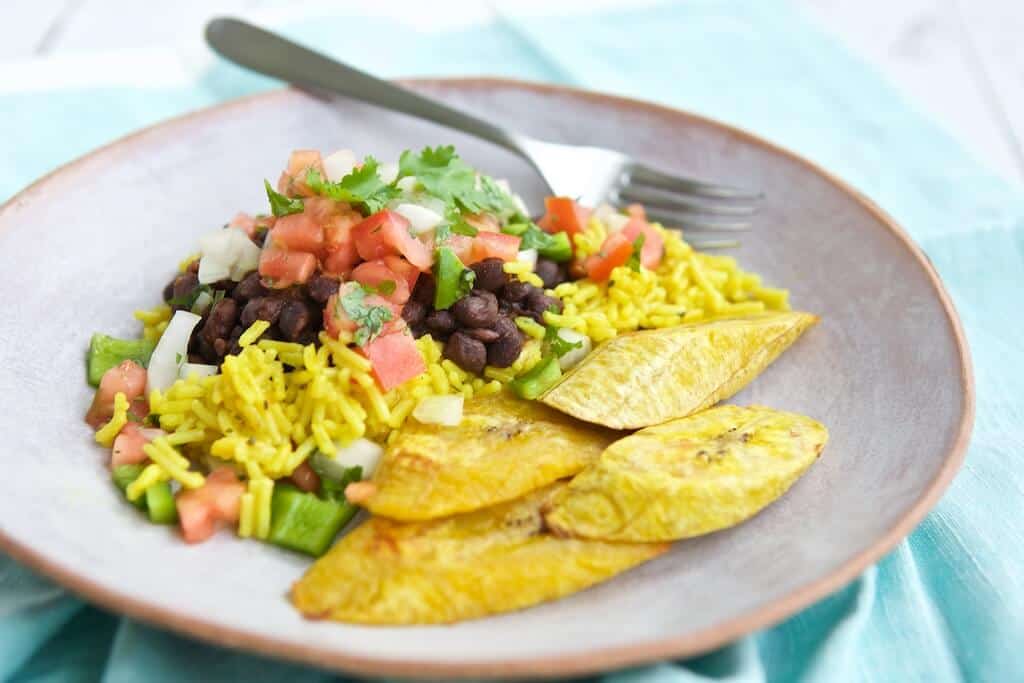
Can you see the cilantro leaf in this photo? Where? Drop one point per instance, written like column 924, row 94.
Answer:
column 332, row 487
column 362, row 187
column 281, row 205
column 188, row 300
column 638, row 247
column 370, row 319
column 385, row 288
column 558, row 345
column 446, row 176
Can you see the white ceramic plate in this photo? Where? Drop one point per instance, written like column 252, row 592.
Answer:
column 887, row 371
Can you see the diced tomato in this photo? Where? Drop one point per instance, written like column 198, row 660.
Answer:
column 403, row 269
column 128, row 378
column 336, row 320
column 462, row 246
column 395, row 359
column 564, row 215
column 305, row 478
column 654, row 245
column 615, row 252
column 245, row 222
column 280, row 269
column 387, row 232
column 224, row 492
column 495, row 245
column 128, row 445
column 636, row 211
column 217, row 500
column 298, row 232
column 195, row 517
column 375, row 274
column 293, row 179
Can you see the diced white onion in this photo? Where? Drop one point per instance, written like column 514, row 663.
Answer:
column 420, row 218
column 616, row 222
column 528, row 256
column 199, row 369
column 171, row 351
column 248, row 256
column 202, row 302
column 439, row 410
column 387, row 173
column 574, row 356
column 339, row 164
column 226, row 254
column 212, row 269
column 360, row 452
column 407, row 184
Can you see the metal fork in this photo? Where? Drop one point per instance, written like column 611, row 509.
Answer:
column 591, row 174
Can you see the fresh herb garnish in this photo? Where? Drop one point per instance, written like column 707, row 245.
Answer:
column 332, row 488
column 385, row 288
column 554, row 246
column 443, row 174
column 281, row 205
column 188, row 300
column 558, row 345
column 370, row 319
column 638, row 247
column 362, row 187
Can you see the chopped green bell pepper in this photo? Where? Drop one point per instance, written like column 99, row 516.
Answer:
column 539, row 379
column 107, row 352
column 123, row 476
column 304, row 523
column 160, row 503
column 453, row 279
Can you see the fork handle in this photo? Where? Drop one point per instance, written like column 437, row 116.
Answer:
column 272, row 55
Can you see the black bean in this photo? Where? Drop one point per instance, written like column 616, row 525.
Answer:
column 321, row 287
column 414, row 312
column 479, row 309
column 490, row 274
column 466, row 352
column 516, row 291
column 203, row 349
column 504, row 351
column 418, row 330
column 262, row 308
column 250, row 287
column 193, row 267
column 296, row 317
column 440, row 323
column 219, row 323
column 424, row 289
column 482, row 334
column 183, row 286
column 552, row 273
column 538, row 302
column 236, row 332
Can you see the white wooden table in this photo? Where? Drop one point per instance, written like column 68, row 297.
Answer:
column 961, row 61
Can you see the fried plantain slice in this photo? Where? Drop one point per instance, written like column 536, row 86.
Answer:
column 648, row 377
column 462, row 567
column 688, row 477
column 503, row 448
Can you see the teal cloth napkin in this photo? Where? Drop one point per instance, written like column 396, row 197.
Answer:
column 946, row 605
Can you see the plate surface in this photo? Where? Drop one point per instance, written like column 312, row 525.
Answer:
column 887, row 371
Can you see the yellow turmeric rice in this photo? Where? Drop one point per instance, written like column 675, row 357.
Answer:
column 267, row 419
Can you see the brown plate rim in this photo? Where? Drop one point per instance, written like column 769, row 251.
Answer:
column 568, row 665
